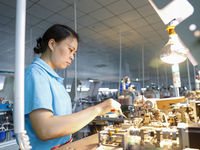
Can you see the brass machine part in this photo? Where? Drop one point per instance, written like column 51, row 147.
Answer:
column 116, row 130
column 111, row 133
column 165, row 103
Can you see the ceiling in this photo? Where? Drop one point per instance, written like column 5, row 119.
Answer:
column 99, row 23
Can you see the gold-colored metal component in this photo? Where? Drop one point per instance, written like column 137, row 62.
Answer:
column 116, row 130
column 110, row 133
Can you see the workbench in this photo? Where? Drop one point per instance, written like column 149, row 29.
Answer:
column 88, row 143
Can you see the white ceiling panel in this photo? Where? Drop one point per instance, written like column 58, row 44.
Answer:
column 126, row 41
column 114, row 44
column 11, row 3
column 138, row 3
column 88, row 6
column 165, row 37
column 145, row 29
column 4, row 63
column 4, row 36
column 151, row 46
column 101, row 14
column 53, row 5
column 96, row 36
column 34, row 1
column 28, row 26
column 129, row 43
column 130, row 16
column 71, row 25
column 11, row 23
column 149, row 34
column 119, row 7
column 98, row 27
column 159, row 45
column 37, row 31
column 4, row 20
column 113, row 22
column 44, row 25
column 141, row 41
column 106, row 2
column 29, row 4
column 85, row 32
column 154, row 38
column 39, row 12
column 86, row 20
column 6, row 46
column 146, row 10
column 69, row 13
column 85, row 40
column 10, row 54
column 57, row 19
column 158, row 25
column 32, row 20
column 138, row 23
column 162, row 32
column 129, row 33
column 115, row 37
column 8, row 29
column 108, row 32
column 71, row 2
column 94, row 44
column 153, row 19
column 134, row 37
column 7, row 11
column 105, row 40
column 124, row 27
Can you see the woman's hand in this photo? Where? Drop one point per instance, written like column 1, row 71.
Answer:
column 44, row 122
column 107, row 106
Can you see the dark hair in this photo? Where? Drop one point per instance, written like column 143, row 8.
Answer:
column 58, row 33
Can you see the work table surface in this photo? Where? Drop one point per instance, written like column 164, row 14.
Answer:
column 88, row 143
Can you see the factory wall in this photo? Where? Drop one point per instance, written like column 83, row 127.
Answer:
column 8, row 90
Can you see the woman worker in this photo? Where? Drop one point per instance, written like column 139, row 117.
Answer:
column 48, row 114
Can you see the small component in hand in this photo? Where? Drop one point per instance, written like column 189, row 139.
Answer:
column 118, row 111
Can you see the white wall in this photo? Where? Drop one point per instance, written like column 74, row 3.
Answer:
column 8, row 90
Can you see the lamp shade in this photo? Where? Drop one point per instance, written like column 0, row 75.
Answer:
column 173, row 52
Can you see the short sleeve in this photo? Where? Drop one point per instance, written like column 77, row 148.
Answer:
column 37, row 92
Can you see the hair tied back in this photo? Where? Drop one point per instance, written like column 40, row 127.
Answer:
column 38, row 49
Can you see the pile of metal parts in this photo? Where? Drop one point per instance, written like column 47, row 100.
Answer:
column 171, row 123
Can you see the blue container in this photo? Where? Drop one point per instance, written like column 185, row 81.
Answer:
column 2, row 136
column 4, row 105
column 12, row 134
column 121, row 88
column 127, row 85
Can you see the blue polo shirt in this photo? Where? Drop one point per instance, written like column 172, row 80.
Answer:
column 44, row 89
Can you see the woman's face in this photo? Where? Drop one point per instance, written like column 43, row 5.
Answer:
column 63, row 53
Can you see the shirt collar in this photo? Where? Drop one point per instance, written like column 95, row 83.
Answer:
column 47, row 68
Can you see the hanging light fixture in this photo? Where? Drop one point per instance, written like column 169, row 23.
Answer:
column 173, row 52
